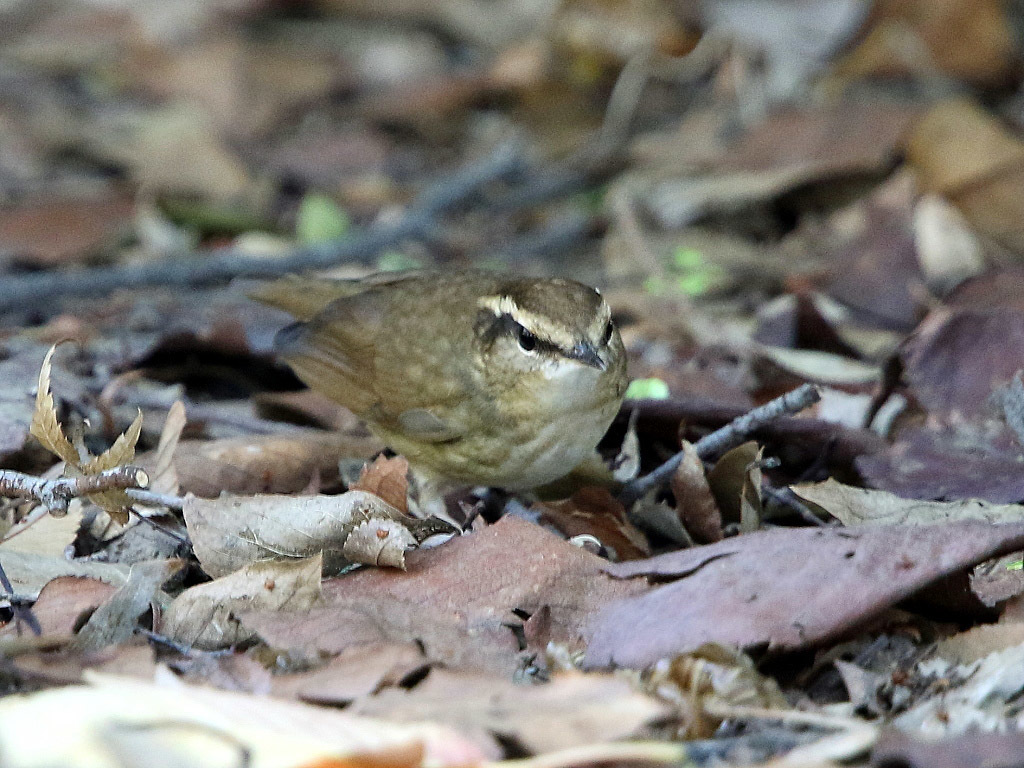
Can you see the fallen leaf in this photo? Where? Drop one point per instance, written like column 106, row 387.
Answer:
column 114, row 622
column 970, row 41
column 947, row 464
column 571, row 710
column 735, row 482
column 30, row 572
column 265, row 463
column 594, row 511
column 782, row 589
column 695, row 503
column 460, row 600
column 61, row 232
column 164, row 477
column 206, row 616
column 234, row 531
column 116, row 720
column 43, row 534
column 46, row 427
column 354, row 673
column 964, row 750
column 860, row 506
column 63, row 602
column 388, row 479
column 965, row 154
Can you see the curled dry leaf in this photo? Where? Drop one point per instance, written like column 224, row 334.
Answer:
column 695, row 503
column 387, row 478
column 164, row 477
column 205, row 616
column 234, row 531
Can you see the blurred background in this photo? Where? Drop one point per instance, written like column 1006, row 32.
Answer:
column 769, row 191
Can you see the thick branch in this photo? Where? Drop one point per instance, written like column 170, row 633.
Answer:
column 729, row 436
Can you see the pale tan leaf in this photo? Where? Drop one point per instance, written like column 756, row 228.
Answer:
column 164, row 477
column 117, row 721
column 45, row 426
column 861, row 506
column 379, row 542
column 44, row 534
column 30, row 572
column 204, row 616
column 233, row 531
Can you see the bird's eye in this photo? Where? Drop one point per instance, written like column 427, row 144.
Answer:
column 608, row 331
column 527, row 341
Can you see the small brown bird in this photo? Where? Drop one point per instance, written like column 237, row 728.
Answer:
column 477, row 378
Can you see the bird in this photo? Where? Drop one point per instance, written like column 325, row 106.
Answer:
column 477, row 378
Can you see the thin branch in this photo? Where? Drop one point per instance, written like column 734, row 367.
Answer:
column 21, row 611
column 56, row 494
column 187, row 269
column 174, row 503
column 729, row 436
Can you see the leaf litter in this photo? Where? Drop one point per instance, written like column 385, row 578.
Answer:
column 751, row 238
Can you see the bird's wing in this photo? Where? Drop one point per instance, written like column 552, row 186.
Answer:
column 346, row 352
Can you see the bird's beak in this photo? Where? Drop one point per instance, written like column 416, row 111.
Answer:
column 585, row 353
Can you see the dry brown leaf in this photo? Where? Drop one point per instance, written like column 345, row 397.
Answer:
column 695, row 503
column 387, row 478
column 164, row 478
column 30, row 572
column 266, row 463
column 594, row 511
column 233, row 531
column 965, row 154
column 45, row 426
column 735, row 481
column 205, row 616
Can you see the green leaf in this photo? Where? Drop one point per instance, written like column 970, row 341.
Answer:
column 1016, row 565
column 396, row 261
column 320, row 219
column 647, row 389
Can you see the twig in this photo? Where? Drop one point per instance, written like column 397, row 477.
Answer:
column 21, row 611
column 183, row 269
column 729, row 436
column 175, row 503
column 56, row 494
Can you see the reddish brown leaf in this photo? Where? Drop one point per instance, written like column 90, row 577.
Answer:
column 458, row 600
column 58, row 232
column 387, row 478
column 356, row 672
column 784, row 589
column 596, row 512
column 63, row 603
